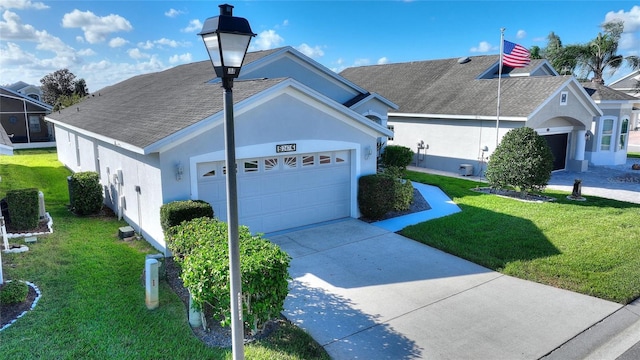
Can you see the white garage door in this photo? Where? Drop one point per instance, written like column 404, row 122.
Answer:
column 281, row 192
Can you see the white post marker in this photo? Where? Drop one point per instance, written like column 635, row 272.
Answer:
column 151, row 283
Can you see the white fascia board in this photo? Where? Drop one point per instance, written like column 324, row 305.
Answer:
column 22, row 97
column 460, row 117
column 93, row 135
column 629, row 75
column 300, row 57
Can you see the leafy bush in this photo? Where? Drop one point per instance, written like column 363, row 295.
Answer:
column 13, row 292
column 87, row 193
column 396, row 156
column 376, row 195
column 403, row 196
column 522, row 160
column 205, row 270
column 175, row 212
column 22, row 205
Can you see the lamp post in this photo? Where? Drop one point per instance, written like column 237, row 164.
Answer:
column 227, row 38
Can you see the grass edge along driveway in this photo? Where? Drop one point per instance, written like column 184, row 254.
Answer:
column 590, row 247
column 92, row 304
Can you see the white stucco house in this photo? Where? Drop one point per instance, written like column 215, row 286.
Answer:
column 304, row 135
column 448, row 111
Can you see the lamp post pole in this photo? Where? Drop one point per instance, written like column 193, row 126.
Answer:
column 227, row 39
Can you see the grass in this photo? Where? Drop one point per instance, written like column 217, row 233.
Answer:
column 633, row 155
column 92, row 304
column 589, row 247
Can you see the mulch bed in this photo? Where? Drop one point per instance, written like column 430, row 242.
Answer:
column 514, row 194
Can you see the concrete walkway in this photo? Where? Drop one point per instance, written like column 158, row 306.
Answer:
column 364, row 292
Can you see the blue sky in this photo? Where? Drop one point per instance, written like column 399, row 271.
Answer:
column 105, row 41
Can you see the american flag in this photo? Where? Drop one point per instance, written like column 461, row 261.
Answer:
column 515, row 55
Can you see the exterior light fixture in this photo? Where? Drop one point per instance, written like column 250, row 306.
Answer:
column 179, row 171
column 227, row 39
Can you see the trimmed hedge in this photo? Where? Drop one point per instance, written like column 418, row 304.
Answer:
column 22, row 205
column 403, row 196
column 87, row 196
column 13, row 292
column 203, row 246
column 376, row 195
column 175, row 212
column 396, row 156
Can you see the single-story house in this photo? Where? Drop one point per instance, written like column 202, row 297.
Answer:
column 22, row 117
column 630, row 85
column 450, row 114
column 304, row 135
column 610, row 140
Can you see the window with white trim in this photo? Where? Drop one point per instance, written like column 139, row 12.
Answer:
column 250, row 166
column 607, row 134
column 624, row 133
column 34, row 123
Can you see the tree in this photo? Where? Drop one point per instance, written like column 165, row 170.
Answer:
column 523, row 160
column 61, row 89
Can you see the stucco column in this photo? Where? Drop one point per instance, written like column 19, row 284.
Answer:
column 581, row 143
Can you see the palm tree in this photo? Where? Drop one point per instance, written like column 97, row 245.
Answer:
column 601, row 54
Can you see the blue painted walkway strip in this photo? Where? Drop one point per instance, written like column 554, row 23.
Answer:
column 440, row 204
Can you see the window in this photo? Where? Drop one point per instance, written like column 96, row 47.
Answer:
column 342, row 156
column 210, row 173
column 34, row 123
column 624, row 133
column 290, row 162
column 308, row 160
column 270, row 164
column 607, row 134
column 325, row 159
column 251, row 166
column 564, row 97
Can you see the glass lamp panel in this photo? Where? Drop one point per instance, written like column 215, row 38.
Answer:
column 234, row 47
column 211, row 42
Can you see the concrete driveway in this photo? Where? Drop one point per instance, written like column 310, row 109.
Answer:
column 364, row 292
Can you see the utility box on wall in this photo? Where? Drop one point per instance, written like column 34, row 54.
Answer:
column 466, row 169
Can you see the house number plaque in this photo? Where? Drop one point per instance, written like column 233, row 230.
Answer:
column 285, row 148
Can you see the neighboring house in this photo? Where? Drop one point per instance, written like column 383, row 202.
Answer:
column 630, row 85
column 448, row 109
column 304, row 135
column 610, row 140
column 22, row 117
column 32, row 91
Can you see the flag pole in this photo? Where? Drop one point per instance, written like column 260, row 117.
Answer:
column 499, row 80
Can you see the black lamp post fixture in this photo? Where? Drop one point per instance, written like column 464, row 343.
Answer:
column 227, row 38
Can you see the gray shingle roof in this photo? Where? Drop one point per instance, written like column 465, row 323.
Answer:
column 447, row 87
column 147, row 108
column 599, row 92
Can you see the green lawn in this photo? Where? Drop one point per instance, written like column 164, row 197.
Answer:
column 92, row 304
column 590, row 247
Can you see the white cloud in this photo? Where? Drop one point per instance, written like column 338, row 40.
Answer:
column 86, row 52
column 80, row 39
column 146, row 45
column 383, row 60
column 361, row 62
column 483, row 47
column 162, row 43
column 267, row 39
column 631, row 19
column 22, row 4
column 312, row 52
column 173, row 13
column 521, row 34
column 135, row 53
column 117, row 42
column 183, row 59
column 95, row 28
column 12, row 28
column 194, row 25
column 105, row 73
column 167, row 42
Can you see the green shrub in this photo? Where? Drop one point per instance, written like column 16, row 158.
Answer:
column 376, row 195
column 205, row 270
column 175, row 212
column 22, row 205
column 396, row 156
column 87, row 193
column 522, row 160
column 13, row 292
column 403, row 196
